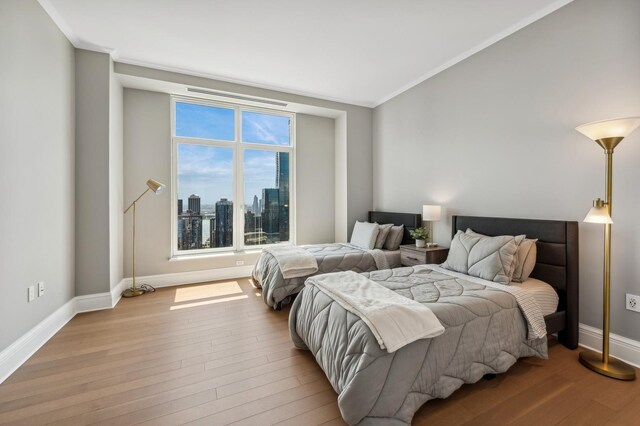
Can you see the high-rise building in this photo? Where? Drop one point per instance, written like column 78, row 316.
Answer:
column 224, row 223
column 180, row 232
column 179, row 207
column 194, row 203
column 282, row 182
column 271, row 213
column 189, row 231
column 212, row 232
column 256, row 206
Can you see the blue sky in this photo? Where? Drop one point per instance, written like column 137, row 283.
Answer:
column 208, row 171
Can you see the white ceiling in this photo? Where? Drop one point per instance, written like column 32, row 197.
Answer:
column 356, row 51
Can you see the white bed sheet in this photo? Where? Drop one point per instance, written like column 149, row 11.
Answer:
column 542, row 293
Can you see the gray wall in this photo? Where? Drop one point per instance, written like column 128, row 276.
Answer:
column 494, row 135
column 315, row 172
column 36, row 167
column 147, row 154
column 99, row 174
column 92, row 172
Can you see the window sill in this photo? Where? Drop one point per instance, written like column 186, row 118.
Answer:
column 181, row 257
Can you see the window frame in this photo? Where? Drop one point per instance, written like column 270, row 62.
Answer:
column 238, row 147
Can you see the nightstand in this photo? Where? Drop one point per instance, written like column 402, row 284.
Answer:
column 411, row 255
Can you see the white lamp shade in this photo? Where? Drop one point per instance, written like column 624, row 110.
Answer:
column 431, row 213
column 620, row 127
column 598, row 214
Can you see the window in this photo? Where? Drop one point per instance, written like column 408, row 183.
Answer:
column 232, row 177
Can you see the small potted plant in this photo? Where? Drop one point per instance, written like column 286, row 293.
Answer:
column 420, row 235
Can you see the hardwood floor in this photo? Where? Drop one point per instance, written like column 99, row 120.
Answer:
column 214, row 354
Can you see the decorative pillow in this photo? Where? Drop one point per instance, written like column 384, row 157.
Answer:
column 525, row 257
column 364, row 234
column 525, row 260
column 489, row 258
column 519, row 239
column 382, row 235
column 394, row 239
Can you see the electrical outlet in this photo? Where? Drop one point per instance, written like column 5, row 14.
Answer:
column 32, row 293
column 40, row 288
column 239, row 262
column 633, row 302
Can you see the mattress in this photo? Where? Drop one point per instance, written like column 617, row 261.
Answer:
column 393, row 258
column 542, row 293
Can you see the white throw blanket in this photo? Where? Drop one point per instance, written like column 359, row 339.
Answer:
column 294, row 261
column 394, row 320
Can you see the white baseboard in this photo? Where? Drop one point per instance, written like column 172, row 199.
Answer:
column 93, row 302
column 620, row 347
column 116, row 292
column 19, row 351
column 191, row 277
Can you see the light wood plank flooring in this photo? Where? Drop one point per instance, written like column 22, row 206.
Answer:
column 214, row 354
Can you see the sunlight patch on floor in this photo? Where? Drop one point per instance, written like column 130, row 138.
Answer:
column 207, row 302
column 207, row 291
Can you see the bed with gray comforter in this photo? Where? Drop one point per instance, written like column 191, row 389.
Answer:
column 334, row 257
column 485, row 332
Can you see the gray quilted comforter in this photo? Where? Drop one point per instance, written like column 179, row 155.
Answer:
column 334, row 257
column 485, row 332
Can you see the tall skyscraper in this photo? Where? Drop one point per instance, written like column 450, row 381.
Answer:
column 212, row 232
column 256, row 206
column 224, row 223
column 179, row 207
column 282, row 182
column 271, row 213
column 194, row 203
column 189, row 231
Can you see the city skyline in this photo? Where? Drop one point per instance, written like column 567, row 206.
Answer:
column 265, row 220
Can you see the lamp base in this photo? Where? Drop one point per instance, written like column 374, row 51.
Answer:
column 613, row 368
column 133, row 292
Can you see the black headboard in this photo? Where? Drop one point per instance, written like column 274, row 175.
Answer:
column 556, row 263
column 410, row 221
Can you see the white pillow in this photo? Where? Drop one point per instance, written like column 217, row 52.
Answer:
column 382, row 235
column 365, row 234
column 489, row 258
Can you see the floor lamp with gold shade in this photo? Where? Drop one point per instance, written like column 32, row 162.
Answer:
column 608, row 134
column 157, row 188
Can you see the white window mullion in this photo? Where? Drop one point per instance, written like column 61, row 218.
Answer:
column 238, row 232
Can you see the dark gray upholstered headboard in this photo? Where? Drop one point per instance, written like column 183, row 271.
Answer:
column 556, row 263
column 410, row 221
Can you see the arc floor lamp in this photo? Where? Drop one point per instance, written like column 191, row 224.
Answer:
column 608, row 134
column 157, row 188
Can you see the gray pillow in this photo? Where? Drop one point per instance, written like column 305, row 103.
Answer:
column 525, row 260
column 394, row 239
column 364, row 234
column 519, row 239
column 382, row 235
column 525, row 256
column 489, row 258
